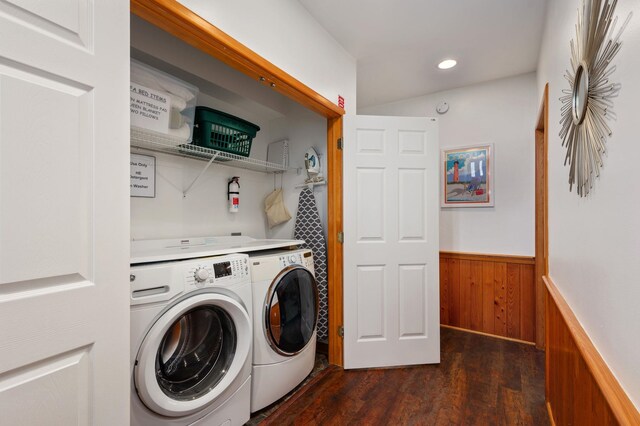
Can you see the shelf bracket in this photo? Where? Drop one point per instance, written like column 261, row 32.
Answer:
column 184, row 193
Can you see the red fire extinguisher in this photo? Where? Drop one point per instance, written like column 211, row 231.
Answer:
column 233, row 194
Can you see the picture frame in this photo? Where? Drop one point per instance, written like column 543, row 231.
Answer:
column 467, row 176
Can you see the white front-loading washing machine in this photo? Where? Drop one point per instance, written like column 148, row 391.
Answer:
column 285, row 315
column 191, row 342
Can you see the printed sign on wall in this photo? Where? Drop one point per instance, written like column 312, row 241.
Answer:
column 143, row 176
column 149, row 108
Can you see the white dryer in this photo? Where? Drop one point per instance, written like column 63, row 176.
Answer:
column 285, row 315
column 191, row 342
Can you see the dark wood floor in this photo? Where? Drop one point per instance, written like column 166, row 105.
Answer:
column 480, row 381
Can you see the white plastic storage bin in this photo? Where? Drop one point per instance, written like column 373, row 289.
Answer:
column 162, row 106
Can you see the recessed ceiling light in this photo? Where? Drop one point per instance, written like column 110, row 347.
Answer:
column 447, row 63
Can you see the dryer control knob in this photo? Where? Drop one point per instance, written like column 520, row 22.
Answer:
column 201, row 275
column 293, row 258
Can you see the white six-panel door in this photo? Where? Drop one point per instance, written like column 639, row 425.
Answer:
column 64, row 215
column 391, row 312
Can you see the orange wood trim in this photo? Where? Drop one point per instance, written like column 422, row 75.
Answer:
column 181, row 22
column 466, row 330
column 541, row 214
column 487, row 293
column 334, row 248
column 578, row 376
column 506, row 258
column 553, row 422
column 547, row 351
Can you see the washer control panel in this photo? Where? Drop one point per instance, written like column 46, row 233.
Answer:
column 216, row 271
column 304, row 258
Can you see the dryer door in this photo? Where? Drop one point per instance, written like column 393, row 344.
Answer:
column 291, row 310
column 192, row 353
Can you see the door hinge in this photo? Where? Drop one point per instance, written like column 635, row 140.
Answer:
column 341, row 237
column 341, row 331
column 340, row 144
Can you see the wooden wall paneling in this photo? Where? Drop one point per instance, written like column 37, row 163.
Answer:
column 476, row 295
column 488, row 297
column 444, row 291
column 465, row 294
column 454, row 292
column 513, row 301
column 500, row 292
column 489, row 294
column 527, row 303
column 580, row 387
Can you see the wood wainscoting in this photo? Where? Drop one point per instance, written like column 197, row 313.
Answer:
column 580, row 387
column 487, row 293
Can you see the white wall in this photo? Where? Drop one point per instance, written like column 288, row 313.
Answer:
column 501, row 112
column 594, row 242
column 303, row 129
column 284, row 33
column 204, row 210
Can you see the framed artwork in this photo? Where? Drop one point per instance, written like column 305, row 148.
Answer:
column 467, row 176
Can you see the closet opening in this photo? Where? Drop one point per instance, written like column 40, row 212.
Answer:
column 234, row 79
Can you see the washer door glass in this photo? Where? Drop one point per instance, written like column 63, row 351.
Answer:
column 291, row 310
column 196, row 352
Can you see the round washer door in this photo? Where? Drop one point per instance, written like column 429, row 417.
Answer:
column 291, row 310
column 192, row 354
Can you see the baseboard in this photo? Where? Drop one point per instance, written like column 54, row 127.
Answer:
column 577, row 376
column 466, row 330
column 489, row 293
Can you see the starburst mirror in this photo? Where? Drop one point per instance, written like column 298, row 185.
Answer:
column 587, row 104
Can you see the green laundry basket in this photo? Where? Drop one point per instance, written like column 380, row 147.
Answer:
column 223, row 132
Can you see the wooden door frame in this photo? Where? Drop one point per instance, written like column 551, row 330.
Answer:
column 181, row 22
column 541, row 215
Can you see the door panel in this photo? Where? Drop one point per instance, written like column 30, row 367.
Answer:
column 391, row 242
column 412, row 215
column 53, row 169
column 413, row 303
column 371, row 303
column 68, row 375
column 64, row 216
column 370, row 204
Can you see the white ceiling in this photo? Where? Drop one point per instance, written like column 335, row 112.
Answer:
column 399, row 43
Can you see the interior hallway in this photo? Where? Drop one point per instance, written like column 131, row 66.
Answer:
column 481, row 380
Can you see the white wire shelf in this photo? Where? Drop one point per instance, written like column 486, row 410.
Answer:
column 158, row 142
